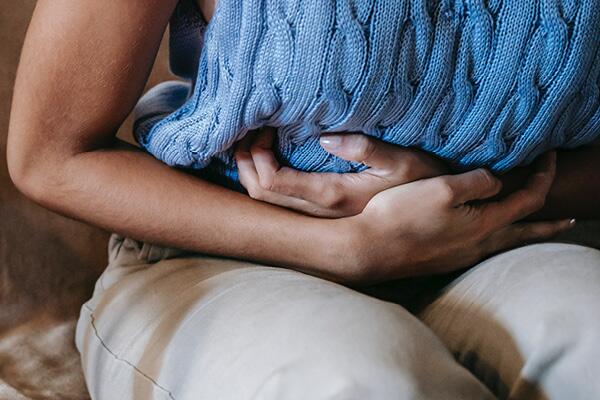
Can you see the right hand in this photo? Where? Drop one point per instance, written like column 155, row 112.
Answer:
column 330, row 195
column 437, row 225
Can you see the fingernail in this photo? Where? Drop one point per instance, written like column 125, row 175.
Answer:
column 572, row 222
column 332, row 142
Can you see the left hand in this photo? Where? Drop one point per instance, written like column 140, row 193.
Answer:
column 330, row 195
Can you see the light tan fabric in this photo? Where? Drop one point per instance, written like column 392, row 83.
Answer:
column 527, row 322
column 194, row 327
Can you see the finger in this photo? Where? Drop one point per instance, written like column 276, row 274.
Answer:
column 341, row 194
column 249, row 179
column 368, row 150
column 528, row 200
column 322, row 189
column 459, row 189
column 526, row 233
column 246, row 170
column 284, row 180
column 288, row 181
column 262, row 154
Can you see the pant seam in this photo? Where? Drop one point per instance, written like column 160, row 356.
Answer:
column 117, row 358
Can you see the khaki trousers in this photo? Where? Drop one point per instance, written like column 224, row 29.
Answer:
column 165, row 325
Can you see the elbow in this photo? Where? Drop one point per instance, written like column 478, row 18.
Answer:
column 28, row 171
column 25, row 177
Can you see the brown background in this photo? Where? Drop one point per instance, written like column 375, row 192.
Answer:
column 48, row 263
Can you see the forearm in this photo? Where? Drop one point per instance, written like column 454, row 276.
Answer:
column 575, row 192
column 83, row 67
column 127, row 191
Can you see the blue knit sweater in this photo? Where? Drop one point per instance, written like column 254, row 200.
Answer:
column 478, row 83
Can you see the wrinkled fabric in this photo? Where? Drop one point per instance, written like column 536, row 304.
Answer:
column 163, row 324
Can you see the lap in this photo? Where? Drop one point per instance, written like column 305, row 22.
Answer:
column 524, row 322
column 200, row 327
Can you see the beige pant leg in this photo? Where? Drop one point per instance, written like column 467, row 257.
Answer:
column 527, row 322
column 206, row 328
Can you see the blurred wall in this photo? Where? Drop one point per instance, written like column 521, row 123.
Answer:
column 48, row 263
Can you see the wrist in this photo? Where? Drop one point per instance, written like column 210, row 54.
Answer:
column 343, row 251
column 365, row 255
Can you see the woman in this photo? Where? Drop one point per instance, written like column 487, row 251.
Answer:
column 163, row 324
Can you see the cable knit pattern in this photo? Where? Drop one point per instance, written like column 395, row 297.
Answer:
column 477, row 82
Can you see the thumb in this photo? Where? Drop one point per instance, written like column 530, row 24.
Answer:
column 478, row 184
column 362, row 148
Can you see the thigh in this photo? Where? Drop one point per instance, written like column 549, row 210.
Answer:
column 206, row 328
column 526, row 322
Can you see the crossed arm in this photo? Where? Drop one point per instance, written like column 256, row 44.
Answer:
column 84, row 65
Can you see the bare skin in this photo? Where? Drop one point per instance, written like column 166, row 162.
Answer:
column 207, row 8
column 83, row 67
column 573, row 193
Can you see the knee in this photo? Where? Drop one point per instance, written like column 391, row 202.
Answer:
column 530, row 318
column 356, row 371
column 558, row 286
column 563, row 343
column 553, row 284
column 341, row 381
column 553, row 313
column 377, row 351
column 561, row 360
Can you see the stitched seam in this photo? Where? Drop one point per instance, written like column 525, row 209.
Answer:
column 116, row 357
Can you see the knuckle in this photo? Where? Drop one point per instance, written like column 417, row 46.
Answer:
column 283, row 183
column 268, row 180
column 484, row 227
column 265, row 182
column 363, row 147
column 536, row 202
column 541, row 234
column 542, row 231
column 256, row 147
column 532, row 233
column 521, row 233
column 332, row 198
column 255, row 192
column 269, row 183
column 487, row 179
column 410, row 168
column 445, row 190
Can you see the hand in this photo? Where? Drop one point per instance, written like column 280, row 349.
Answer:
column 330, row 195
column 434, row 226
